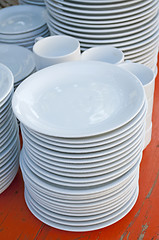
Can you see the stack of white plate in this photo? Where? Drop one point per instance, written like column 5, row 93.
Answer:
column 32, row 2
column 130, row 25
column 9, row 136
column 21, row 24
column 83, row 131
column 19, row 60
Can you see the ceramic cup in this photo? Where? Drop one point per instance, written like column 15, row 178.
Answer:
column 144, row 74
column 148, row 135
column 150, row 106
column 55, row 49
column 103, row 53
column 148, row 121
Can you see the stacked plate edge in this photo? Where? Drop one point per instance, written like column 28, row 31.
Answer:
column 131, row 26
column 33, row 2
column 9, row 131
column 83, row 133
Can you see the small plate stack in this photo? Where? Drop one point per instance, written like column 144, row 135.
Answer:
column 24, row 64
column 21, row 24
column 32, row 2
column 9, row 131
column 83, row 132
column 130, row 25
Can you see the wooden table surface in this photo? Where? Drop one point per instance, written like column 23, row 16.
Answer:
column 142, row 222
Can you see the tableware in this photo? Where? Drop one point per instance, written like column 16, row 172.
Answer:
column 9, row 132
column 107, row 54
column 144, row 74
column 129, row 26
column 82, row 92
column 24, row 64
column 80, row 158
column 32, row 2
column 55, row 49
column 19, row 24
column 148, row 135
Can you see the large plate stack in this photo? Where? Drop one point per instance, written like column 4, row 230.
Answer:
column 24, row 64
column 20, row 25
column 32, row 2
column 83, row 134
column 130, row 25
column 9, row 137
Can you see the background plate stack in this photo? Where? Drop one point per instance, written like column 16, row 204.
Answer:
column 32, row 2
column 9, row 131
column 130, row 25
column 24, row 64
column 83, row 135
column 20, row 25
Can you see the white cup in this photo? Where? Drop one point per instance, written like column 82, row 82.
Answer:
column 148, row 121
column 144, row 74
column 55, row 49
column 150, row 106
column 103, row 53
column 148, row 135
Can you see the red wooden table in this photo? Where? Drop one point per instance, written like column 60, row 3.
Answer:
column 142, row 222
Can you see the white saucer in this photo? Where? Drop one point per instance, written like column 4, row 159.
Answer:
column 21, row 19
column 24, row 63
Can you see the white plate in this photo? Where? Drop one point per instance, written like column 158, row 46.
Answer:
column 83, row 212
column 11, row 143
column 9, row 127
column 24, row 63
column 85, row 201
column 77, row 195
column 105, row 222
column 120, row 31
column 83, row 207
column 8, row 167
column 106, row 24
column 97, row 5
column 7, row 136
column 106, row 39
column 21, row 19
column 71, row 154
column 23, row 35
column 22, row 39
column 105, row 19
column 101, row 10
column 10, row 139
column 102, row 15
column 14, row 148
column 85, row 117
column 108, row 168
column 79, row 183
column 96, row 26
column 6, row 83
column 93, row 169
column 106, row 137
column 82, row 147
column 84, row 166
column 10, row 154
column 9, row 179
column 68, row 149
